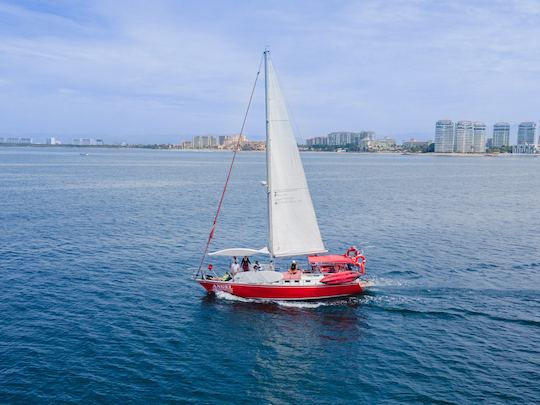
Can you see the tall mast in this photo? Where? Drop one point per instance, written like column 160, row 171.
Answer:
column 268, row 157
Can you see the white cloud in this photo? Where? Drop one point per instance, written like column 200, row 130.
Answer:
column 166, row 67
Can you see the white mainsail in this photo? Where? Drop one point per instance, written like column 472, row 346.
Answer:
column 293, row 228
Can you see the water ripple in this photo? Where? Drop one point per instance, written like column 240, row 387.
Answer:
column 95, row 250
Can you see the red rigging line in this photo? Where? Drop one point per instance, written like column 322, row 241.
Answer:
column 235, row 150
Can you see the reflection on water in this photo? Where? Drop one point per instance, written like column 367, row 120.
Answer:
column 335, row 319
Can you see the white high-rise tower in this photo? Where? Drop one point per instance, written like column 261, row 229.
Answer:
column 479, row 137
column 501, row 134
column 464, row 137
column 444, row 136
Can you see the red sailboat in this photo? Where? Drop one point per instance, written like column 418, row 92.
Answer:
column 293, row 230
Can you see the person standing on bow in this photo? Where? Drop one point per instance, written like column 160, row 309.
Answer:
column 245, row 263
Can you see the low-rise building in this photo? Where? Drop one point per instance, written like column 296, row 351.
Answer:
column 254, row 145
column 83, row 141
column 414, row 144
column 526, row 149
column 232, row 141
column 379, row 145
column 17, row 140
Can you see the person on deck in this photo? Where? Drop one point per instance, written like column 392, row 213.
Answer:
column 245, row 263
column 235, row 267
column 293, row 269
column 256, row 266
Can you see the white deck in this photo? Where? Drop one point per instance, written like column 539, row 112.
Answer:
column 275, row 277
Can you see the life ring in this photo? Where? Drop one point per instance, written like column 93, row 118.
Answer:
column 355, row 252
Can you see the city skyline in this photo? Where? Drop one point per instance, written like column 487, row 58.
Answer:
column 472, row 137
column 129, row 71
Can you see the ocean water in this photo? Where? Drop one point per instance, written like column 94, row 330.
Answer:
column 96, row 303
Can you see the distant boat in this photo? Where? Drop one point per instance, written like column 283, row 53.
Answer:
column 83, row 154
column 293, row 230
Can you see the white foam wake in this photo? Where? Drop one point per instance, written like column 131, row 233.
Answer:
column 300, row 304
column 290, row 304
column 229, row 297
column 384, row 282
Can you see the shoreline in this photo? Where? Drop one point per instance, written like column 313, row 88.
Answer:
column 169, row 149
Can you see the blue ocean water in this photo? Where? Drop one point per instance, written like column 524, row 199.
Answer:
column 96, row 302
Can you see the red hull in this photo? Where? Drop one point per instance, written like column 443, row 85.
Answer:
column 283, row 292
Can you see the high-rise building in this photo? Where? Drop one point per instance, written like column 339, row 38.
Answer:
column 223, row 139
column 319, row 141
column 345, row 138
column 333, row 138
column 367, row 136
column 342, row 139
column 479, row 137
column 501, row 134
column 444, row 136
column 526, row 133
column 464, row 135
column 204, row 142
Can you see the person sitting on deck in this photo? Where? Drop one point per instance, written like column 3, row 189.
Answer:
column 293, row 269
column 227, row 276
column 256, row 266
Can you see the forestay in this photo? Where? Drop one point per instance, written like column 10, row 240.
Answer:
column 293, row 228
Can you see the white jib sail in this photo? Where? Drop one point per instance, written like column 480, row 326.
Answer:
column 293, row 228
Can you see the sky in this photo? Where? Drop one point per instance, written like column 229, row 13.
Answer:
column 161, row 71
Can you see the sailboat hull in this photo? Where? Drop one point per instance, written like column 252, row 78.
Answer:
column 280, row 292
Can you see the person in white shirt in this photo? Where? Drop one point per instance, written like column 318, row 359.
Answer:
column 235, row 267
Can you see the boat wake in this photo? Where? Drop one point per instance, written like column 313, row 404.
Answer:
column 301, row 304
column 229, row 297
column 384, row 282
column 288, row 304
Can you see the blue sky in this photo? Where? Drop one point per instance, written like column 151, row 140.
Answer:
column 161, row 71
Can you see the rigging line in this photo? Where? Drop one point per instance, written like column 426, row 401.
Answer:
column 235, row 150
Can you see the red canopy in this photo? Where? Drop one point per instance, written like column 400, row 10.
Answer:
column 330, row 259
